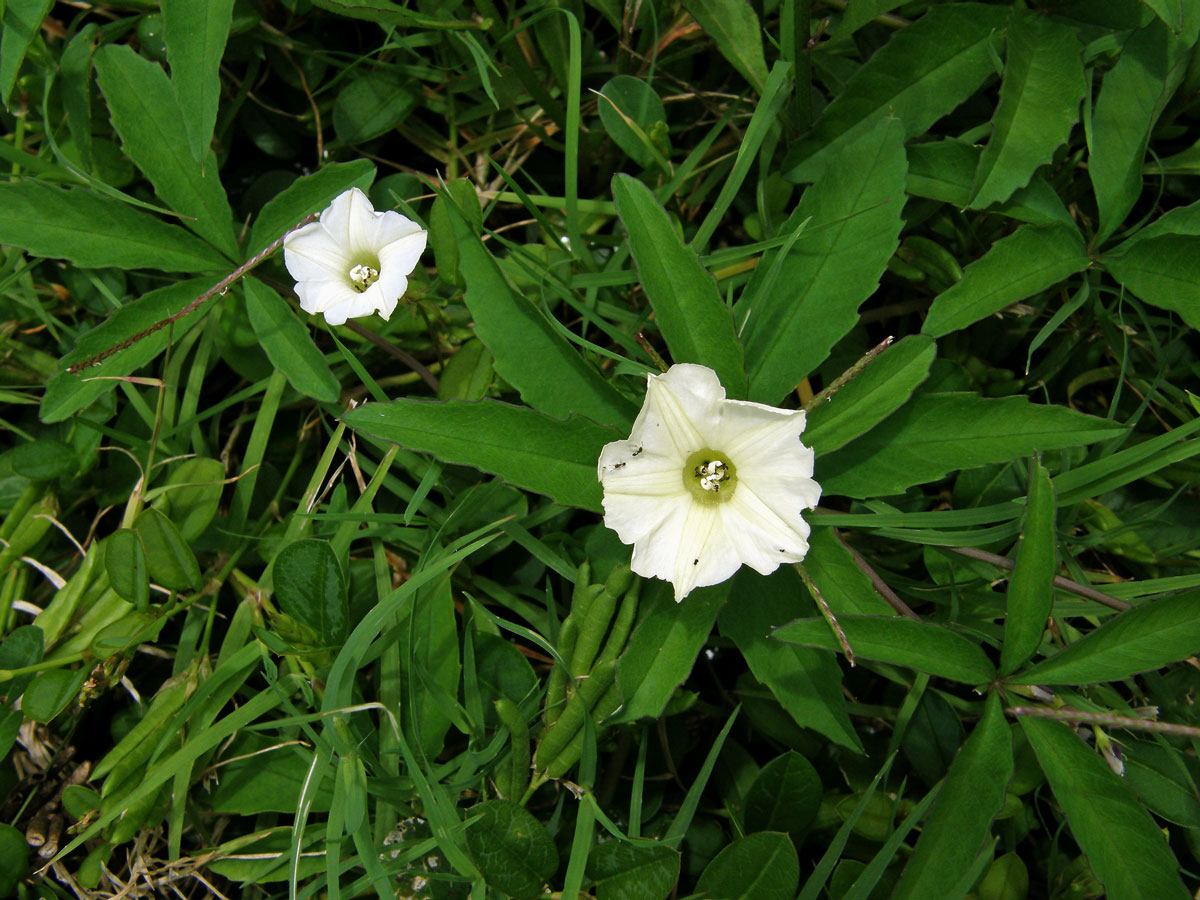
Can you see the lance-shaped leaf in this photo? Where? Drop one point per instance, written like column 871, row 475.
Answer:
column 50, row 221
column 305, row 196
column 525, row 448
column 903, row 642
column 960, row 823
column 1124, row 846
column 1030, row 589
column 1149, row 636
column 934, row 434
column 796, row 308
column 147, row 116
column 695, row 323
column 875, row 393
column 806, row 682
column 195, row 34
column 1039, row 103
column 1132, row 97
column 288, row 343
column 1031, row 259
column 920, row 75
column 66, row 393
column 1163, row 271
column 549, row 373
column 734, row 28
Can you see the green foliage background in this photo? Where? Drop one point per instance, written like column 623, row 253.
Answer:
column 291, row 610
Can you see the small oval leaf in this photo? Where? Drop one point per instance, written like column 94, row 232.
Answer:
column 125, row 563
column 512, row 849
column 168, row 557
column 310, row 587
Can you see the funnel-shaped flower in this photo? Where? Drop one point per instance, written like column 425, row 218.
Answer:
column 353, row 261
column 705, row 484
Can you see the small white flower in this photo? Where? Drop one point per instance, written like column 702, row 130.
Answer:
column 705, row 484
column 353, row 261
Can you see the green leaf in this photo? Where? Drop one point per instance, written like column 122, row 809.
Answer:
column 1027, row 262
column 428, row 635
column 19, row 26
column 1039, row 103
column 1132, row 97
column 945, row 170
column 468, row 374
column 44, row 459
column 192, row 495
column 1124, row 846
column 734, row 28
column 874, row 394
column 663, row 648
column 22, row 647
column 759, row 866
column 629, row 108
column 512, row 849
column 288, row 343
column 195, row 34
column 1031, row 587
column 371, row 105
column 1161, row 778
column 384, row 12
column 959, row 826
column 696, row 324
column 125, row 563
column 310, row 587
column 459, row 194
column 903, row 642
column 1181, row 18
column 168, row 557
column 842, row 582
column 924, row 72
column 525, row 448
column 938, row 433
column 563, row 382
column 50, row 692
column 1149, row 636
column 632, row 872
column 784, row 797
column 806, row 682
column 14, row 849
column 1163, row 271
column 153, row 133
column 794, row 314
column 305, row 196
column 61, row 224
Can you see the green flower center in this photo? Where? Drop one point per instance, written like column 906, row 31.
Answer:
column 710, row 476
column 362, row 276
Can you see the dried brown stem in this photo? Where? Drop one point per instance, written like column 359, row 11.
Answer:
column 1073, row 587
column 1067, row 714
column 842, row 380
column 218, row 288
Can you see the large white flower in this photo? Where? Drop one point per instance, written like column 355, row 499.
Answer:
column 705, row 484
column 353, row 261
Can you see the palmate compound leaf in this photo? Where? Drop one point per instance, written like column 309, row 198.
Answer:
column 525, row 448
column 934, row 434
column 513, row 850
column 1149, row 636
column 1124, row 847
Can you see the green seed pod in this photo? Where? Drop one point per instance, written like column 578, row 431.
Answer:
column 135, row 748
column 556, row 738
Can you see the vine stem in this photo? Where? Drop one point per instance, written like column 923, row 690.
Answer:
column 219, row 288
column 1107, row 719
column 1073, row 587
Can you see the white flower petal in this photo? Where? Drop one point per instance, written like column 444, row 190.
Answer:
column 350, row 234
column 692, row 539
column 311, row 254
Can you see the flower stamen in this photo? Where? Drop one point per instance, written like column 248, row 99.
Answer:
column 711, row 474
column 363, row 276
